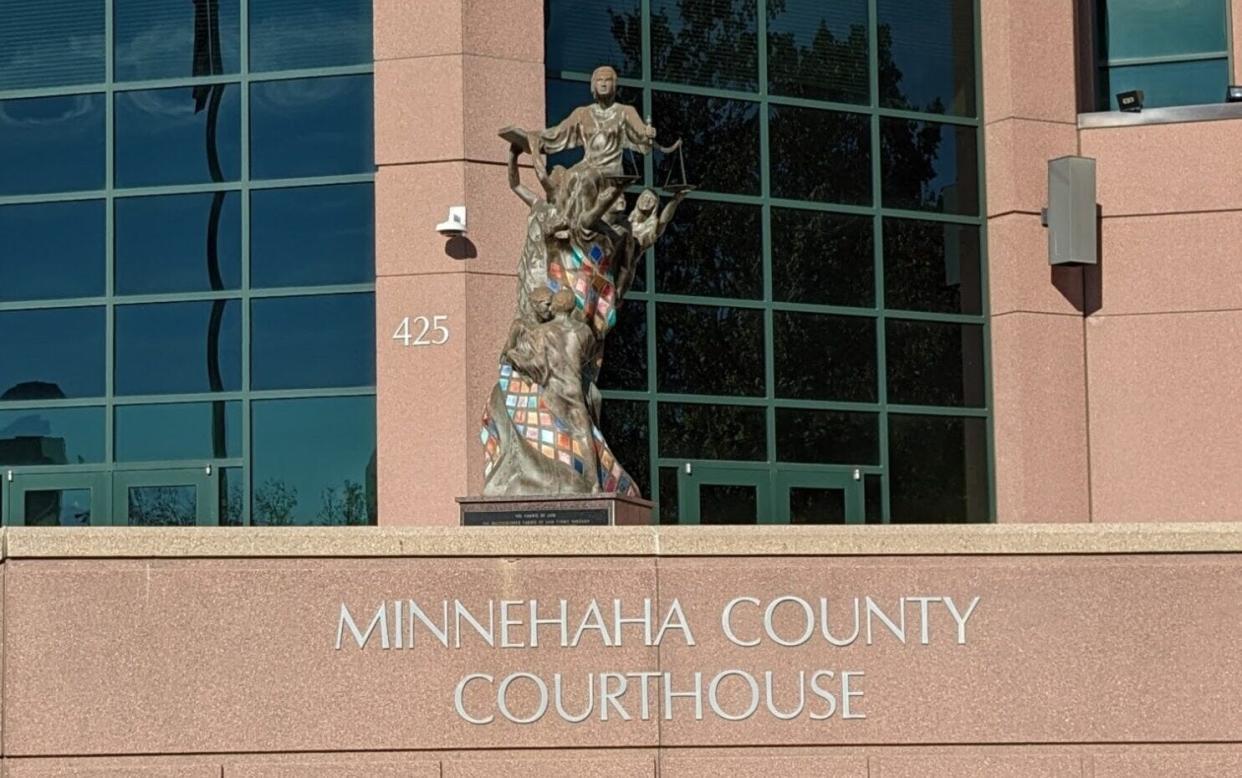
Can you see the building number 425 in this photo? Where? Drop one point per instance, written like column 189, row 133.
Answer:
column 432, row 331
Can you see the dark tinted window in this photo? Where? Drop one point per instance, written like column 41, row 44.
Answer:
column 693, row 431
column 51, row 436
column 820, row 357
column 932, row 266
column 302, row 342
column 827, row 437
column 197, row 143
column 178, row 243
column 311, row 127
column 51, row 144
column 820, row 155
column 293, row 34
column 161, row 39
column 930, row 166
column 625, row 362
column 52, row 250
column 712, row 250
column 148, row 433
column 51, row 43
column 706, row 43
column 590, row 33
column 314, row 461
column 818, row 50
column 927, row 55
column 939, row 469
column 822, row 258
column 175, row 348
column 709, row 350
column 312, row 235
column 935, row 363
column 52, row 353
column 720, row 141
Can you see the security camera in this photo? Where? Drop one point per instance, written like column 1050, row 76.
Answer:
column 455, row 227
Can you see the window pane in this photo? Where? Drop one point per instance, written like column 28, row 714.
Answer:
column 178, row 348
column 939, row 469
column 57, row 508
column 162, row 39
column 1143, row 28
column 712, row 250
column 728, row 504
column 704, row 349
column 819, row 50
column 311, row 127
column 707, row 43
column 625, row 358
column 934, row 363
column 173, row 136
column 827, row 437
column 179, row 243
column 874, row 498
column 820, row 155
column 232, row 496
column 52, row 250
column 314, row 461
column 812, row 505
column 932, row 266
column 1174, row 83
column 624, row 424
column 580, row 35
column 162, row 506
column 51, row 436
column 52, row 353
column 820, row 357
column 927, row 55
column 720, row 141
column 930, row 166
column 292, row 34
column 822, row 258
column 692, row 431
column 51, row 43
column 150, row 433
column 311, row 236
column 668, row 495
column 51, row 144
column 307, row 342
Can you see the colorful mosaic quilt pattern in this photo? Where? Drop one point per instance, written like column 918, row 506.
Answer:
column 590, row 278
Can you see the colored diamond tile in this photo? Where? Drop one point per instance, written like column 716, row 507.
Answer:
column 532, row 433
column 562, row 440
column 596, row 253
column 511, row 401
column 545, row 418
column 548, row 452
column 547, row 437
column 564, row 456
column 579, row 466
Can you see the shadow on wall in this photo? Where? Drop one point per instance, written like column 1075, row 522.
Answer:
column 460, row 248
column 1083, row 285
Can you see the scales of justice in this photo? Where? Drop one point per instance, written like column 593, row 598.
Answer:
column 546, row 460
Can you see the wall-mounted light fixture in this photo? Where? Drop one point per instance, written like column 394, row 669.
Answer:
column 1130, row 102
column 1233, row 94
column 455, row 226
column 1071, row 216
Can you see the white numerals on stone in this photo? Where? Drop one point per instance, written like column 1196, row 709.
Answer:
column 431, row 331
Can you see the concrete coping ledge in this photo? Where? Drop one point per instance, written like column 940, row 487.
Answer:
column 703, row 541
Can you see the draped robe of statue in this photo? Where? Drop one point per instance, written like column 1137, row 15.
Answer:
column 539, row 440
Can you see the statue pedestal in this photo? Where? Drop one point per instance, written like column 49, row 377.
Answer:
column 563, row 510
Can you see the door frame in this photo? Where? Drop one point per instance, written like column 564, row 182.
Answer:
column 848, row 480
column 204, row 478
column 17, row 484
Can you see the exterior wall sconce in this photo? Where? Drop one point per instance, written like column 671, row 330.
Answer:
column 1071, row 216
column 1130, row 102
column 1233, row 94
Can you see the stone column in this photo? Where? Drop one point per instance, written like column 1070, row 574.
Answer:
column 1038, row 370
column 448, row 75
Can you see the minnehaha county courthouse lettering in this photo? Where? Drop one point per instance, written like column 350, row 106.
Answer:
column 839, row 388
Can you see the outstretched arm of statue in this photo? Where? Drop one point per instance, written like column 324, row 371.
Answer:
column 666, row 216
column 515, row 179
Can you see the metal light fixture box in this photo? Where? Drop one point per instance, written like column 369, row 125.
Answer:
column 1071, row 216
column 1130, row 102
column 1233, row 94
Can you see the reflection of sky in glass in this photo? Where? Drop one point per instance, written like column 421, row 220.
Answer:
column 52, row 250
column 51, row 43
column 1175, row 83
column 147, row 433
column 291, row 34
column 303, row 342
column 51, row 436
column 304, row 447
column 580, row 36
column 311, row 127
column 934, row 48
column 312, row 235
column 946, row 190
column 162, row 349
column 161, row 243
column 59, row 346
column 1156, row 28
column 798, row 69
column 166, row 119
column 52, row 144
column 155, row 38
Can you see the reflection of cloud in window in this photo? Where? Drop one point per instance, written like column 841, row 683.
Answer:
column 51, row 59
column 298, row 93
column 176, row 105
column 48, row 111
column 169, row 40
column 32, row 426
column 307, row 37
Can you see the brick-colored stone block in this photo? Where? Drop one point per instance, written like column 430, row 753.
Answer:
column 978, row 765
column 1039, row 394
column 1028, row 60
column 559, row 766
column 686, row 765
column 1017, row 153
column 1019, row 276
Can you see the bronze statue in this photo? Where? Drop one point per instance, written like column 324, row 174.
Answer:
column 541, row 426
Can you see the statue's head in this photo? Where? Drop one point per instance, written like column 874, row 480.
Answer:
column 541, row 302
column 604, row 84
column 564, row 301
column 647, row 202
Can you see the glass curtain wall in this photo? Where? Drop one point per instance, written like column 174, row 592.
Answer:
column 187, row 259
column 819, row 303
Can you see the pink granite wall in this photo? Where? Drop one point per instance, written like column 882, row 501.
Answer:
column 448, row 76
column 229, row 666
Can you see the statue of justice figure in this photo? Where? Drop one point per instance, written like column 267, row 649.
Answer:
column 540, row 430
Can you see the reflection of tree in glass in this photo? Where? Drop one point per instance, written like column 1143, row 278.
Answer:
column 162, row 506
column 349, row 507
column 830, row 68
column 275, row 503
column 705, row 42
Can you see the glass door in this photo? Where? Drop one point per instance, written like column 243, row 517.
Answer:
column 57, row 499
column 715, row 493
column 818, row 497
column 166, row 498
